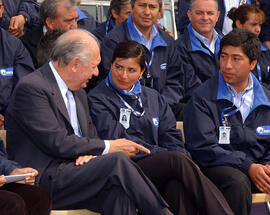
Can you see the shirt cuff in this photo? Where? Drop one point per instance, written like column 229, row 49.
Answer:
column 107, row 147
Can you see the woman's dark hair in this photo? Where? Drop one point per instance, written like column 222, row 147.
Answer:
column 117, row 5
column 243, row 38
column 130, row 49
column 242, row 13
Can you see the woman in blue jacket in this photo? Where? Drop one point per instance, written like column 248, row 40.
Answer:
column 250, row 17
column 118, row 12
column 122, row 108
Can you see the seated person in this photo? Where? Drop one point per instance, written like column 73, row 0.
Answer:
column 223, row 26
column 19, row 16
column 50, row 129
column 15, row 62
column 61, row 14
column 251, row 18
column 118, row 12
column 20, row 198
column 236, row 103
column 122, row 108
column 199, row 44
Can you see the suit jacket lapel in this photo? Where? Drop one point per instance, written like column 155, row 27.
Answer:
column 55, row 91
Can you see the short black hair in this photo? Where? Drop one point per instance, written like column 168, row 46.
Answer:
column 130, row 49
column 248, row 41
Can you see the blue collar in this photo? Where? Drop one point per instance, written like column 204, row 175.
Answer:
column 264, row 48
column 259, row 96
column 81, row 14
column 157, row 40
column 137, row 89
column 196, row 45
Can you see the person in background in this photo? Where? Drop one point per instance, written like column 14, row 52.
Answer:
column 236, row 103
column 224, row 24
column 15, row 63
column 61, row 14
column 251, row 18
column 118, row 12
column 199, row 44
column 20, row 198
column 140, row 114
column 19, row 16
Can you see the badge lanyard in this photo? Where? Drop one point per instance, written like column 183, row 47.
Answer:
column 259, row 72
column 148, row 65
column 108, row 24
column 224, row 116
column 136, row 113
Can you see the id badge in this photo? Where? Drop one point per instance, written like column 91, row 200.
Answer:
column 124, row 118
column 224, row 135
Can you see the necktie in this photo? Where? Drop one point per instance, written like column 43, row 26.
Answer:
column 72, row 112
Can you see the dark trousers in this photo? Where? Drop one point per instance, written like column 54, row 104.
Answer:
column 111, row 184
column 235, row 186
column 183, row 185
column 21, row 199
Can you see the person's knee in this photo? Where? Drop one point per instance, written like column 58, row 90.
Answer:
column 12, row 203
column 240, row 182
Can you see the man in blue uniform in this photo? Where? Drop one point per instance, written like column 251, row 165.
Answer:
column 54, row 14
column 200, row 41
column 19, row 16
column 165, row 71
column 15, row 62
column 233, row 102
column 223, row 25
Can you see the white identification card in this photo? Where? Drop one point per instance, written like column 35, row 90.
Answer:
column 124, row 118
column 224, row 135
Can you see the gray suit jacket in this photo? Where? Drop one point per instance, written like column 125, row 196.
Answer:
column 39, row 133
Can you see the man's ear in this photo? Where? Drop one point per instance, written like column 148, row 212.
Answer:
column 114, row 14
column 189, row 15
column 74, row 64
column 49, row 23
column 238, row 24
column 253, row 64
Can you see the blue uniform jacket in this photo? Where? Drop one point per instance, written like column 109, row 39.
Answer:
column 28, row 8
column 265, row 33
column 15, row 62
column 249, row 141
column 167, row 68
column 204, row 62
column 86, row 21
column 103, row 29
column 155, row 130
column 183, row 7
column 6, row 166
column 262, row 70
